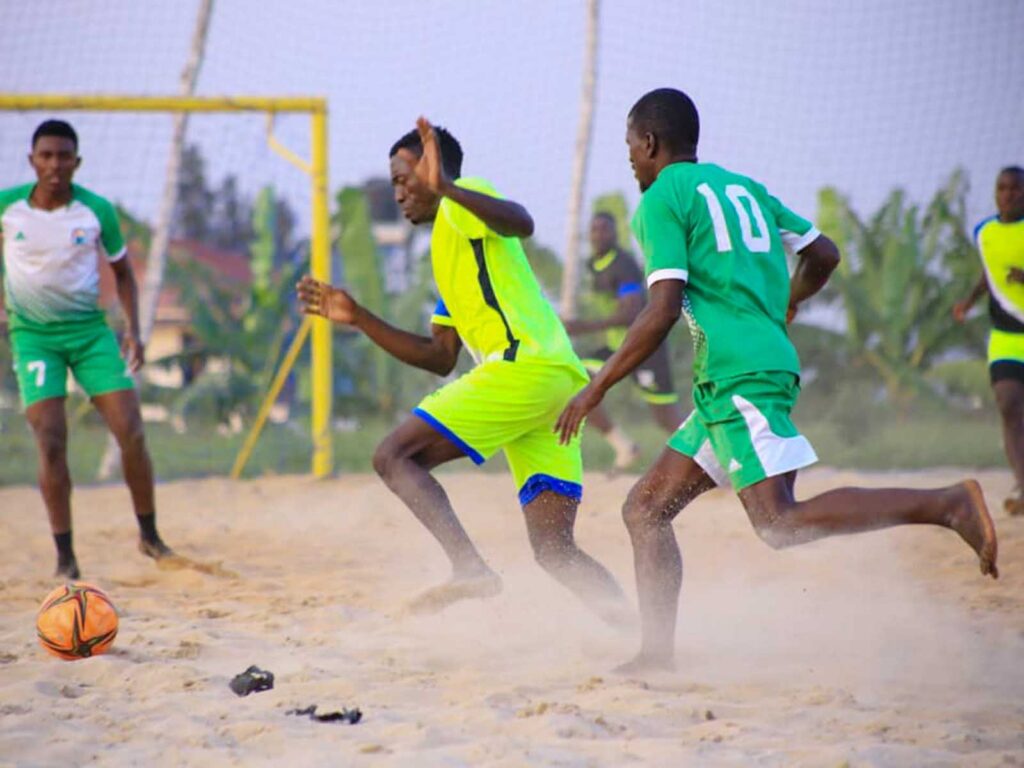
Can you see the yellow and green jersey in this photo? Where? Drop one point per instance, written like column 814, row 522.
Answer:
column 51, row 258
column 614, row 274
column 489, row 293
column 1002, row 247
column 726, row 238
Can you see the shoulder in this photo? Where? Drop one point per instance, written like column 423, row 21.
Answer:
column 103, row 208
column 477, row 184
column 982, row 224
column 12, row 195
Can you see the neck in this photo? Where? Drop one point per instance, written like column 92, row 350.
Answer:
column 48, row 201
column 1011, row 217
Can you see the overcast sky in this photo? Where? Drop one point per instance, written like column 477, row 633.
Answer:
column 864, row 96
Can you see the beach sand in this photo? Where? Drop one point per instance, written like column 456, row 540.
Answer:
column 885, row 649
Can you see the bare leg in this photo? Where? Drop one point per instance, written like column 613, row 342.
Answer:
column 404, row 460
column 669, row 416
column 550, row 519
column 669, row 485
column 1010, row 400
column 49, row 424
column 782, row 521
column 121, row 412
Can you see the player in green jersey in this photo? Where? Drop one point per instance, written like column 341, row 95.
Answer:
column 54, row 232
column 618, row 286
column 1000, row 241
column 714, row 245
column 525, row 372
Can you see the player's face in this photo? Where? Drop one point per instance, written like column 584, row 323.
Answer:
column 418, row 204
column 54, row 159
column 602, row 234
column 640, row 157
column 1010, row 195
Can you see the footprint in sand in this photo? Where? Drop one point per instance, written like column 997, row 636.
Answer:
column 177, row 562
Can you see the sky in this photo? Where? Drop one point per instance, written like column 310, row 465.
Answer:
column 799, row 94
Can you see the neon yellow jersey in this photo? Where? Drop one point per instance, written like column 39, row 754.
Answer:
column 489, row 292
column 1002, row 247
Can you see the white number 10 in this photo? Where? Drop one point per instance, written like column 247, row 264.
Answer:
column 755, row 243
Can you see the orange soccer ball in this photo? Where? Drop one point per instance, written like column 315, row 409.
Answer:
column 76, row 621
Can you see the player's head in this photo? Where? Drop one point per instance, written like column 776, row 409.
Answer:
column 418, row 204
column 54, row 155
column 662, row 127
column 604, row 233
column 1010, row 193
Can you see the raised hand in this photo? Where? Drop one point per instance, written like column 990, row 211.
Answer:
column 572, row 416
column 429, row 170
column 960, row 310
column 325, row 300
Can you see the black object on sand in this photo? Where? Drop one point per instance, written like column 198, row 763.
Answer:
column 351, row 716
column 253, row 680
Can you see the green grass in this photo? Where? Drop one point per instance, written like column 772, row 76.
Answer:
column 876, row 438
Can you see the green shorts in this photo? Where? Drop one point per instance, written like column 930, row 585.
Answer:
column 43, row 354
column 513, row 406
column 740, row 432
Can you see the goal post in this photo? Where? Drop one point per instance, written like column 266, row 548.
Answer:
column 316, row 169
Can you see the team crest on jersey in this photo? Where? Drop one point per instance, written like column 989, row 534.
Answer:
column 79, row 236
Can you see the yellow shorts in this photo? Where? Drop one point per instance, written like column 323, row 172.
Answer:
column 513, row 406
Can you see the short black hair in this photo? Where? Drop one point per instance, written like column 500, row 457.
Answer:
column 58, row 128
column 1016, row 170
column 451, row 150
column 670, row 115
column 605, row 215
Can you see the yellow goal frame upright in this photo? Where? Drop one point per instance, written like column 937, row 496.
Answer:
column 316, row 169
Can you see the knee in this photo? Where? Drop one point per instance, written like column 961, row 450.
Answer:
column 383, row 459
column 641, row 512
column 551, row 555
column 52, row 442
column 771, row 527
column 132, row 437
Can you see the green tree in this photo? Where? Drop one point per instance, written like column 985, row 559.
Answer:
column 902, row 270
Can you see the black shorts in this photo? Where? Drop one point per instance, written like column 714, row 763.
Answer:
column 653, row 377
column 1003, row 370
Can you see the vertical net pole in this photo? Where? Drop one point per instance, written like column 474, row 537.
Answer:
column 320, row 265
column 579, row 167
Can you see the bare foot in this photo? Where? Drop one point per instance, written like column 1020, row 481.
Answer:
column 1014, row 506
column 644, row 663
column 155, row 549
column 68, row 569
column 974, row 524
column 436, row 599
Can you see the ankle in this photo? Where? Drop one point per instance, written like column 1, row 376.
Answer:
column 147, row 528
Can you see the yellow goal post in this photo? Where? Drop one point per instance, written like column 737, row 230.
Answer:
column 315, row 168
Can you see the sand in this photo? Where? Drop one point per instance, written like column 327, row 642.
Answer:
column 886, row 649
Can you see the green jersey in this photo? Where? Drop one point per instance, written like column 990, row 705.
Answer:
column 726, row 238
column 52, row 257
column 489, row 292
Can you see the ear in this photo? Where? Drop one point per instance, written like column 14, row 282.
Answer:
column 78, row 162
column 651, row 145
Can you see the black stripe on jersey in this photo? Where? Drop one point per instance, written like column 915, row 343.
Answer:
column 491, row 299
column 1001, row 319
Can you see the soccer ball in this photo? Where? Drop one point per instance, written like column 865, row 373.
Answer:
column 76, row 621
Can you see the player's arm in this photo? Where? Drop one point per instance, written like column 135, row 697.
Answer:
column 506, row 217
column 817, row 260
column 644, row 336
column 436, row 353
column 961, row 308
column 128, row 295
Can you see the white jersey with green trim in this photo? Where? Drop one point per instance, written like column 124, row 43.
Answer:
column 51, row 258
